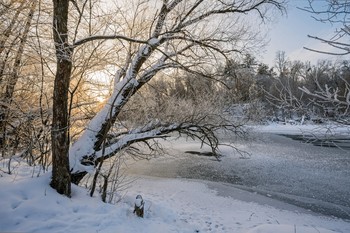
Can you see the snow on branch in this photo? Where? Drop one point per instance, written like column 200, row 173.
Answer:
column 200, row 127
column 330, row 95
column 205, row 132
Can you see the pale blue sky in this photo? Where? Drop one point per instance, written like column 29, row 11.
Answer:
column 289, row 34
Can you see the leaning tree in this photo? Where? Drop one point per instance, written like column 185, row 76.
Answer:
column 150, row 37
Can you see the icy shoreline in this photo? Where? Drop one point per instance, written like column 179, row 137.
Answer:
column 313, row 177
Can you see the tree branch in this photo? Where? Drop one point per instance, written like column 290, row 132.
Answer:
column 105, row 37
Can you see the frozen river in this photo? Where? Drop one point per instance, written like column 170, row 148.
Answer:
column 313, row 177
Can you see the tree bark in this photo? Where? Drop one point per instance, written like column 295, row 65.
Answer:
column 61, row 180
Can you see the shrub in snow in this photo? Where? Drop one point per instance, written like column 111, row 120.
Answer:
column 139, row 206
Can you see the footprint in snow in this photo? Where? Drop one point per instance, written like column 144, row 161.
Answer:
column 16, row 204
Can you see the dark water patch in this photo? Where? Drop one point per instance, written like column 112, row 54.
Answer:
column 216, row 157
column 310, row 204
column 332, row 141
column 200, row 153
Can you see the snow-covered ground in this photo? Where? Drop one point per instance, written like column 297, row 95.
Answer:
column 171, row 205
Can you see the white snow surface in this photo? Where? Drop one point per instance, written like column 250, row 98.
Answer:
column 171, row 205
column 153, row 41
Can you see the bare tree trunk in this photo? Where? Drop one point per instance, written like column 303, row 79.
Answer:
column 61, row 180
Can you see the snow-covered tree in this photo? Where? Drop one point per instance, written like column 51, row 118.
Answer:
column 161, row 36
column 328, row 86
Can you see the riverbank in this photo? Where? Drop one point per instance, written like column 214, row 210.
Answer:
column 313, row 177
column 171, row 205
